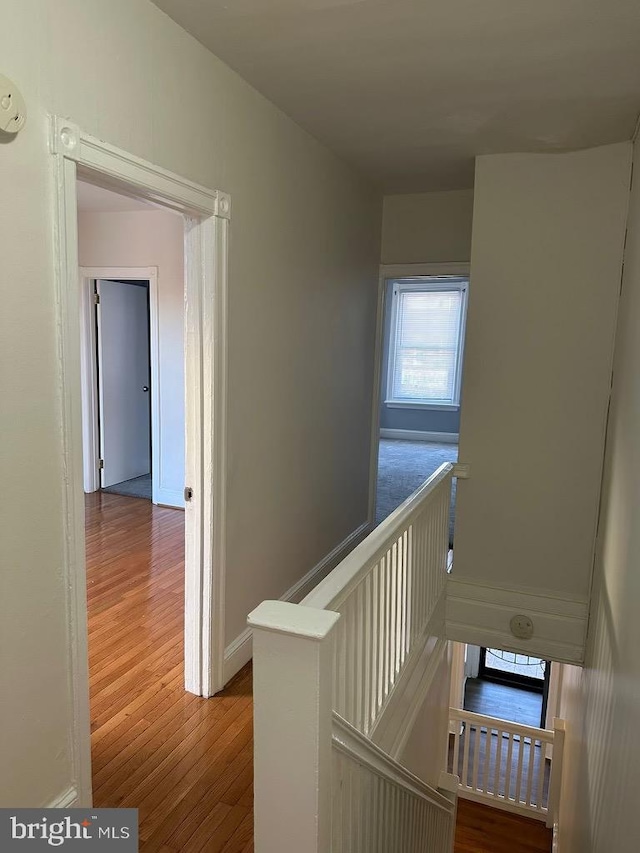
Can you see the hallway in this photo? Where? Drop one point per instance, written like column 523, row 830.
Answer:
column 184, row 762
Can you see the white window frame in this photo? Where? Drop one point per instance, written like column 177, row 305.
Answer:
column 426, row 283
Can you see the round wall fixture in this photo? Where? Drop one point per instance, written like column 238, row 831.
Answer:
column 521, row 627
column 13, row 110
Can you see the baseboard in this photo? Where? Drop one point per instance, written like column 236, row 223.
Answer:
column 303, row 587
column 239, row 651
column 68, row 799
column 170, row 498
column 237, row 654
column 479, row 614
column 420, row 435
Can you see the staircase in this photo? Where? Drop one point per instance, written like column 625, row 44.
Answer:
column 340, row 683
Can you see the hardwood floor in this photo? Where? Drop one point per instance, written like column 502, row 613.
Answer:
column 482, row 829
column 184, row 762
column 503, row 701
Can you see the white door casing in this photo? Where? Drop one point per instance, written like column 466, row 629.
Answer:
column 207, row 213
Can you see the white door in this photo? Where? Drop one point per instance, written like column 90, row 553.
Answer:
column 123, row 381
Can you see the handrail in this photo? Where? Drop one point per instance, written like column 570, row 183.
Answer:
column 348, row 574
column 507, row 726
column 346, row 738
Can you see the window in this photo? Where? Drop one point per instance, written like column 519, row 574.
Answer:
column 427, row 335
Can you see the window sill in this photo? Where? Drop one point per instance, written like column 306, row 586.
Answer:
column 436, row 407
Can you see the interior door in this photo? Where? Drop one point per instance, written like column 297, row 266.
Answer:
column 123, row 380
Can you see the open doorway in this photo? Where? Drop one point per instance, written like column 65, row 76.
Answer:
column 421, row 334
column 195, row 600
column 121, row 378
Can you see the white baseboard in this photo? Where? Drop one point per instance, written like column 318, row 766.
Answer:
column 169, row 497
column 479, row 614
column 419, row 435
column 303, row 587
column 68, row 799
column 237, row 654
column 239, row 651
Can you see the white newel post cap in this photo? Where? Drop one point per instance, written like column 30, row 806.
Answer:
column 282, row 617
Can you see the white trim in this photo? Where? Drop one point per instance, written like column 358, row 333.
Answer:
column 327, row 564
column 89, row 388
column 239, row 651
column 76, row 153
column 391, row 271
column 479, row 614
column 420, row 435
column 375, row 404
column 426, row 284
column 66, row 800
column 171, row 498
column 422, row 406
column 89, row 408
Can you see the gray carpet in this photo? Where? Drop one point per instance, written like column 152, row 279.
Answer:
column 405, row 465
column 139, row 487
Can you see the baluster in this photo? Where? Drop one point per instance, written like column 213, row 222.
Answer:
column 359, row 626
column 496, row 775
column 541, row 768
column 487, row 759
column 465, row 754
column 507, row 775
column 456, row 748
column 477, row 741
column 532, row 761
column 519, row 771
column 410, row 584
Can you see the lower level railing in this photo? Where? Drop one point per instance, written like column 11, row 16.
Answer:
column 507, row 765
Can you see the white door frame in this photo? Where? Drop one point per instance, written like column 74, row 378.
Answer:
column 387, row 273
column 90, row 407
column 207, row 213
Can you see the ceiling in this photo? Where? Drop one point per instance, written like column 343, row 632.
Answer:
column 92, row 199
column 409, row 91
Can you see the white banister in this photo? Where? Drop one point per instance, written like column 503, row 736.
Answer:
column 380, row 807
column 386, row 590
column 293, row 659
column 505, row 764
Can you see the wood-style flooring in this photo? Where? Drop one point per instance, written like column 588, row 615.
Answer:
column 184, row 762
column 503, row 701
column 482, row 829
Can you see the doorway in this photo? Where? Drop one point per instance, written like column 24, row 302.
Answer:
column 78, row 156
column 419, row 360
column 120, row 382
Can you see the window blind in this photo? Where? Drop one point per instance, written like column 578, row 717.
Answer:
column 427, row 345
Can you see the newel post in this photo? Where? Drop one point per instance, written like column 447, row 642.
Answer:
column 292, row 681
column 555, row 780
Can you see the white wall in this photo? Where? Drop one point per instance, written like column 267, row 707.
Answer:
column 427, row 227
column 548, row 233
column 303, row 262
column 145, row 239
column 601, row 812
